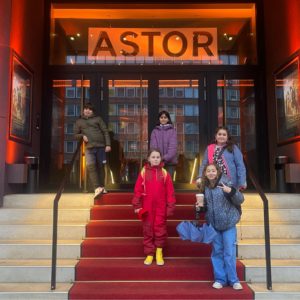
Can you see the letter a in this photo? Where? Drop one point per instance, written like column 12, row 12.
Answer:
column 109, row 47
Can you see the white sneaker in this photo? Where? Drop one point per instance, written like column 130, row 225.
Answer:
column 217, row 285
column 98, row 192
column 104, row 191
column 237, row 286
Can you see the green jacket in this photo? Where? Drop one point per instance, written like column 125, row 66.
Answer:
column 94, row 129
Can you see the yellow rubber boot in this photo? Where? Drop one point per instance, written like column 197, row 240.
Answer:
column 148, row 260
column 159, row 257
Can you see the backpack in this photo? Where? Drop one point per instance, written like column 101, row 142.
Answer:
column 237, row 206
column 164, row 172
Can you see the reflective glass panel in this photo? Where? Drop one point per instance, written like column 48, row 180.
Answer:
column 67, row 98
column 128, row 125
column 180, row 99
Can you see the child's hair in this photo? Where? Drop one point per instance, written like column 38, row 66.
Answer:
column 205, row 181
column 89, row 106
column 153, row 150
column 164, row 112
column 230, row 142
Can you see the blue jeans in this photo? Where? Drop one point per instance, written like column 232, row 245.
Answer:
column 223, row 257
column 95, row 159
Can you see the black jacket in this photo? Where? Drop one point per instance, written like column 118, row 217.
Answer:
column 94, row 129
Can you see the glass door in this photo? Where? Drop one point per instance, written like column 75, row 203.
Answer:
column 68, row 96
column 180, row 97
column 237, row 110
column 133, row 107
column 128, row 126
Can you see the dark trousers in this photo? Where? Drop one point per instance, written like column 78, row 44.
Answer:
column 95, row 162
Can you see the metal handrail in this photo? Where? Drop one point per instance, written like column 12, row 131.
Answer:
column 266, row 222
column 55, row 216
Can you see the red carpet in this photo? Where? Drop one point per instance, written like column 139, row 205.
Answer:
column 125, row 212
column 155, row 290
column 111, row 264
column 104, row 247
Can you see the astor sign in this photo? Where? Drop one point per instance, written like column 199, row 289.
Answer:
column 177, row 43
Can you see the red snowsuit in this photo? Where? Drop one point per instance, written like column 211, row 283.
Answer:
column 154, row 192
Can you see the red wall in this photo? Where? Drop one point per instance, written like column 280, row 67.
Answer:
column 5, row 15
column 22, row 28
column 282, row 39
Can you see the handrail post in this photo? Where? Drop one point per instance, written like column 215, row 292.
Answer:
column 266, row 224
column 267, row 245
column 54, row 245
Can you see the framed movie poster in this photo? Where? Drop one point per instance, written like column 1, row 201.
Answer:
column 20, row 101
column 288, row 101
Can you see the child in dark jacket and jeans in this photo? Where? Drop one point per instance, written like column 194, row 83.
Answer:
column 94, row 133
column 221, row 199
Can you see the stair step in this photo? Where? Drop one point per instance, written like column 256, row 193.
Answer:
column 35, row 215
column 73, row 200
column 187, row 212
column 128, row 269
column 137, row 290
column 275, row 214
column 114, row 247
column 67, row 200
column 275, row 200
column 38, row 249
column 133, row 228
column 126, row 198
column 42, row 231
column 33, row 291
column 279, row 291
column 36, row 270
column 283, row 270
column 117, row 212
column 255, row 248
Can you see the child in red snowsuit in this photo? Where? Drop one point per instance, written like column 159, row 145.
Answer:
column 154, row 193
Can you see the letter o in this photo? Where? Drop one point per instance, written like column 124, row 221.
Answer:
column 166, row 42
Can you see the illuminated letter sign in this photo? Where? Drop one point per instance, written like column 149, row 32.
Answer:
column 169, row 43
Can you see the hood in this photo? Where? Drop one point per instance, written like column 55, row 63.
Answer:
column 225, row 179
column 148, row 166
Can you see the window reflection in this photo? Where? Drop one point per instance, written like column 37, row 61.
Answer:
column 67, row 96
column 180, row 99
column 128, row 124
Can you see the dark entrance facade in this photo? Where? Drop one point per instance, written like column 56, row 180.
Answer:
column 199, row 62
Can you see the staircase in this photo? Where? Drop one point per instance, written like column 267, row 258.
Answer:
column 111, row 265
column 25, row 250
column 284, row 211
column 26, row 241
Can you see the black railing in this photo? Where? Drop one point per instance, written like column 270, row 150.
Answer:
column 266, row 222
column 55, row 216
